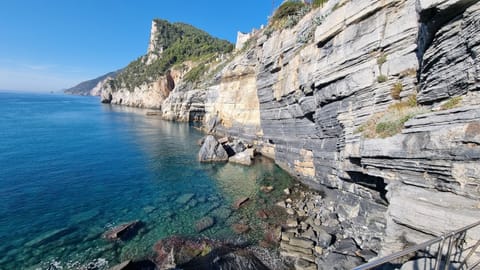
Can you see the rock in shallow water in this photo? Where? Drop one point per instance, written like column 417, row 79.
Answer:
column 185, row 198
column 204, row 224
column 226, row 259
column 242, row 158
column 212, row 151
column 123, row 231
column 49, row 237
column 240, row 228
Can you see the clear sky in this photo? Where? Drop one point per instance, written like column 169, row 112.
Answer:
column 48, row 45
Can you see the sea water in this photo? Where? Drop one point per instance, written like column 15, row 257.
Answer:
column 71, row 168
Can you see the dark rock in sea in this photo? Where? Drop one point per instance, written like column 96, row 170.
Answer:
column 204, row 223
column 137, row 265
column 124, row 231
column 225, row 259
column 212, row 151
column 238, row 203
column 240, row 228
column 175, row 250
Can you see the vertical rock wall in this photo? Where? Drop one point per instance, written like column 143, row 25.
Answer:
column 314, row 96
column 302, row 95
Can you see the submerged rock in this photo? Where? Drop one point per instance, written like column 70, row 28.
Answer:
column 238, row 203
column 184, row 198
column 123, row 231
column 204, row 223
column 240, row 228
column 49, row 237
column 177, row 250
column 226, row 259
column 212, row 151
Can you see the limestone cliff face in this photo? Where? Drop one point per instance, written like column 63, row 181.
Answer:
column 302, row 95
column 228, row 99
column 149, row 94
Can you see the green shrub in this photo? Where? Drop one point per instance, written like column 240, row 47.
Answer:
column 318, row 3
column 451, row 103
column 268, row 31
column 381, row 59
column 337, row 6
column 392, row 120
column 288, row 8
column 396, row 90
column 390, row 128
column 288, row 14
column 319, row 20
column 382, row 78
column 196, row 73
column 411, row 72
column 412, row 100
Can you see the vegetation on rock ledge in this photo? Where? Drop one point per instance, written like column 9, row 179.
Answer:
column 391, row 121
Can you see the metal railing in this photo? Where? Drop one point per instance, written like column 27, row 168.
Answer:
column 442, row 260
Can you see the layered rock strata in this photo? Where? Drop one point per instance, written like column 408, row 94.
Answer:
column 302, row 95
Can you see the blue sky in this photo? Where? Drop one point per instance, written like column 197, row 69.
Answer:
column 50, row 45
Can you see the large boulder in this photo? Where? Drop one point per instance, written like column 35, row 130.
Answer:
column 242, row 158
column 212, row 151
column 226, row 258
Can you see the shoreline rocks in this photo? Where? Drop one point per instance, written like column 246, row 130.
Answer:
column 212, row 151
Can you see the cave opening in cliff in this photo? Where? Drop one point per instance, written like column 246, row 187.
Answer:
column 376, row 184
column 309, row 116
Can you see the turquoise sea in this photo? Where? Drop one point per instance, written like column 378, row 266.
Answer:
column 71, row 168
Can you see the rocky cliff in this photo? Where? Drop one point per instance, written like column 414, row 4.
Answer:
column 311, row 96
column 173, row 51
column 374, row 102
column 91, row 87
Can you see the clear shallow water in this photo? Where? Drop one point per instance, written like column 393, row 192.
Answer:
column 70, row 168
